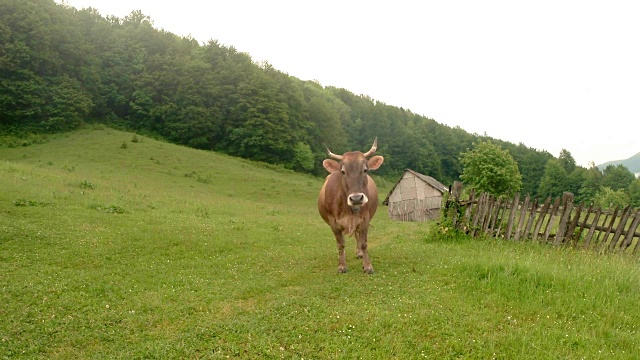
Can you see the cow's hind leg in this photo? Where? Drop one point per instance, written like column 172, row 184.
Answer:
column 342, row 262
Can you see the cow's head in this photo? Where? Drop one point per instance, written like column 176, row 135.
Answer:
column 354, row 166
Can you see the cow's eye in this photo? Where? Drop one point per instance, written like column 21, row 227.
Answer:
column 343, row 172
column 366, row 170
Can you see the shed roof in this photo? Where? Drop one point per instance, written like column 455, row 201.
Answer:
column 427, row 179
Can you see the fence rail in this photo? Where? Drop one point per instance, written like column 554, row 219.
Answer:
column 555, row 221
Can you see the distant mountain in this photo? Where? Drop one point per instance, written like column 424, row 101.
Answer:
column 632, row 163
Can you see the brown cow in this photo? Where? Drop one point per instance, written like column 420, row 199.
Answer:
column 349, row 199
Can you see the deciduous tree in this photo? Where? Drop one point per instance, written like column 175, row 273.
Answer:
column 634, row 193
column 609, row 198
column 554, row 181
column 617, row 177
column 488, row 168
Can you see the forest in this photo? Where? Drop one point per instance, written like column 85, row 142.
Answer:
column 63, row 68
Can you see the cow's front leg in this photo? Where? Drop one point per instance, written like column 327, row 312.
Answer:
column 362, row 247
column 342, row 262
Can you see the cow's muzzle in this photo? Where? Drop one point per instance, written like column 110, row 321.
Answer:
column 357, row 200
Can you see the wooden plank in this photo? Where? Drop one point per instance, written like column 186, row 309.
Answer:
column 582, row 225
column 592, row 229
column 532, row 216
column 543, row 212
column 499, row 217
column 603, row 243
column 567, row 206
column 637, row 245
column 552, row 216
column 512, row 216
column 503, row 216
column 628, row 239
column 601, row 229
column 482, row 210
column 483, row 215
column 487, row 218
column 621, row 225
column 522, row 218
column 457, row 190
column 494, row 215
column 476, row 215
column 467, row 212
column 453, row 203
column 573, row 223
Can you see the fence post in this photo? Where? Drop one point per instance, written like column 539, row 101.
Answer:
column 521, row 219
column 592, row 228
column 621, row 225
column 603, row 243
column 512, row 215
column 542, row 214
column 552, row 214
column 532, row 216
column 489, row 211
column 456, row 191
column 631, row 231
column 477, row 216
column 567, row 204
column 572, row 225
column 467, row 212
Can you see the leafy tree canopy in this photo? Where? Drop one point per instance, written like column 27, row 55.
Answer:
column 554, row 181
column 634, row 193
column 63, row 67
column 489, row 168
column 566, row 160
column 592, row 183
column 609, row 198
column 617, row 177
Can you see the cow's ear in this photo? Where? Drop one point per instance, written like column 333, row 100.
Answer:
column 375, row 162
column 331, row 165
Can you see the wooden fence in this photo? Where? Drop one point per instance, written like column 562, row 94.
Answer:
column 553, row 221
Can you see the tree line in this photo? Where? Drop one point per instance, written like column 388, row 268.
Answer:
column 63, row 67
column 488, row 168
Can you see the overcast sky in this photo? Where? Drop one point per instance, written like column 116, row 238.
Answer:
column 550, row 74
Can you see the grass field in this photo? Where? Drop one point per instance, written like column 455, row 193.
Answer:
column 152, row 250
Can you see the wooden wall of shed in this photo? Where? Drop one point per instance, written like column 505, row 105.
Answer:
column 415, row 210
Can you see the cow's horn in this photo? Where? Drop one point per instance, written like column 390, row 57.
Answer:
column 373, row 148
column 332, row 155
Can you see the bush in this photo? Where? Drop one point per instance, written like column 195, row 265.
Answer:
column 609, row 198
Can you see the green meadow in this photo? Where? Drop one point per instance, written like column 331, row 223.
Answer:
column 119, row 246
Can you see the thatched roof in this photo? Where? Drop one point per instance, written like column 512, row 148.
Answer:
column 427, row 179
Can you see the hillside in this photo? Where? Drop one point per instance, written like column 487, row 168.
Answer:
column 632, row 163
column 65, row 67
column 121, row 247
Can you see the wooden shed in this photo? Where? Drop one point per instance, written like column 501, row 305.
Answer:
column 415, row 197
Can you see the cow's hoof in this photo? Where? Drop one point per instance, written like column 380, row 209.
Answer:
column 368, row 270
column 359, row 255
column 342, row 269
